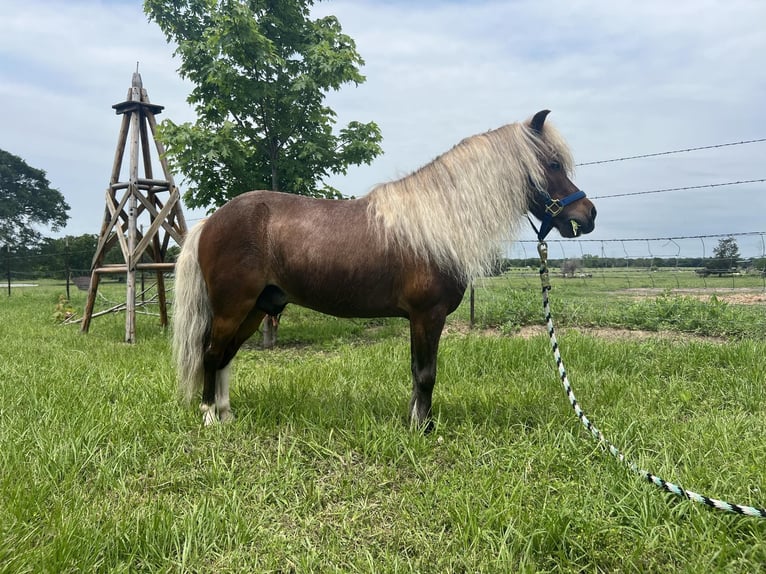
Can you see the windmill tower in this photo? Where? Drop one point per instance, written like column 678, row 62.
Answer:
column 129, row 201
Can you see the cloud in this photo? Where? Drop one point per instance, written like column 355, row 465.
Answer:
column 621, row 78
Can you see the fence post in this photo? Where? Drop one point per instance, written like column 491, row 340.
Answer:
column 66, row 264
column 472, row 305
column 8, row 260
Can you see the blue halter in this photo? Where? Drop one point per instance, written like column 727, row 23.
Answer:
column 553, row 207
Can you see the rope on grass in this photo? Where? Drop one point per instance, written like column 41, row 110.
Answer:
column 599, row 436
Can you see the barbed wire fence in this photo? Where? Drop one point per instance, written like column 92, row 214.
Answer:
column 684, row 265
column 675, row 264
column 24, row 270
column 629, row 268
column 638, row 291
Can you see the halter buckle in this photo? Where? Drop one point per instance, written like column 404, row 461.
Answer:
column 554, row 207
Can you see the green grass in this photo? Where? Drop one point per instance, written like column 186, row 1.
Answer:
column 675, row 301
column 101, row 469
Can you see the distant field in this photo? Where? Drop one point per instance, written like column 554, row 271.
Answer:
column 103, row 470
column 663, row 300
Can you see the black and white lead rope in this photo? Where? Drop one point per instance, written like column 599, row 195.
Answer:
column 599, row 436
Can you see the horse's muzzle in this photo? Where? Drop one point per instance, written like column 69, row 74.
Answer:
column 577, row 226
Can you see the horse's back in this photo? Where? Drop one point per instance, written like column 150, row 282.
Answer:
column 322, row 254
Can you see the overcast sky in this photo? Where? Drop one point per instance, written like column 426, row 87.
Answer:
column 621, row 79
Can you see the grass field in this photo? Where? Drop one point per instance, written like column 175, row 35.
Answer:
column 102, row 470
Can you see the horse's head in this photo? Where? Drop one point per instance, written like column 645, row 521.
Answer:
column 559, row 203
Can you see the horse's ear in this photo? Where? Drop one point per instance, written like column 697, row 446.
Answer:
column 538, row 120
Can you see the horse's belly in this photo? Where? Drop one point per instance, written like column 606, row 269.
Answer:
column 345, row 294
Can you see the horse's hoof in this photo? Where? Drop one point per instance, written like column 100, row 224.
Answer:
column 208, row 415
column 426, row 426
column 226, row 417
column 420, row 419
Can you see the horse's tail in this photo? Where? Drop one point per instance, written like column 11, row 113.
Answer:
column 192, row 317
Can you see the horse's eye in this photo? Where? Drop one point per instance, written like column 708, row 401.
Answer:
column 554, row 165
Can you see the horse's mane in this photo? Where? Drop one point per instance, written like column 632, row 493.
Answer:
column 455, row 210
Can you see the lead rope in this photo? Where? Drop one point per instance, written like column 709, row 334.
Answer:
column 542, row 249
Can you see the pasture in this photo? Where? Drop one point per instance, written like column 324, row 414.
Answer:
column 101, row 468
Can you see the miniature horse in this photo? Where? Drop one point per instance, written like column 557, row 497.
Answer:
column 407, row 249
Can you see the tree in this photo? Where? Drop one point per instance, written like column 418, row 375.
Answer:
column 569, row 267
column 27, row 200
column 51, row 257
column 72, row 252
column 261, row 70
column 725, row 255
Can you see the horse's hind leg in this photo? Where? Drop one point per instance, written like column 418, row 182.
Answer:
column 223, row 346
column 213, row 362
column 246, row 329
column 425, row 332
column 222, row 404
column 207, row 406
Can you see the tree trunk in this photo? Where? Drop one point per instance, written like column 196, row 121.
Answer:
column 270, row 327
column 271, row 322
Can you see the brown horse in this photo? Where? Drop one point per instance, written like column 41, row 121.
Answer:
column 407, row 249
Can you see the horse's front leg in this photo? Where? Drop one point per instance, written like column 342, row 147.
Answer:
column 425, row 332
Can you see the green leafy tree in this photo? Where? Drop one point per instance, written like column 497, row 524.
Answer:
column 725, row 255
column 261, row 70
column 71, row 252
column 27, row 200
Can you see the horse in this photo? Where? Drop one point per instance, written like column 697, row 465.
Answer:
column 409, row 248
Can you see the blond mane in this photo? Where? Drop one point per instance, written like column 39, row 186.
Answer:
column 456, row 210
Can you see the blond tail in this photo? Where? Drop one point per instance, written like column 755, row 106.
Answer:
column 191, row 317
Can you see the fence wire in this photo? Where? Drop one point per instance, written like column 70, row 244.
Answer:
column 591, row 277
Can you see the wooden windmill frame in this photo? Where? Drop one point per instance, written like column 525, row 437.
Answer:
column 140, row 195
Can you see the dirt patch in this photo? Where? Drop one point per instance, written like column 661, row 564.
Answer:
column 615, row 334
column 460, row 328
column 735, row 295
column 639, row 335
column 608, row 333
